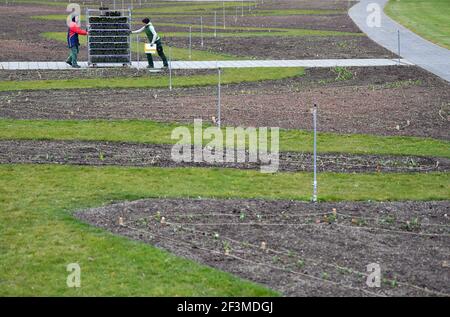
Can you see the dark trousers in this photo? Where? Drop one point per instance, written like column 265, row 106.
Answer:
column 160, row 50
column 73, row 56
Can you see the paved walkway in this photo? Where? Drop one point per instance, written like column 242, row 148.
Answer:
column 221, row 64
column 412, row 47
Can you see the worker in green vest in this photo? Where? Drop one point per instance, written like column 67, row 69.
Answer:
column 153, row 38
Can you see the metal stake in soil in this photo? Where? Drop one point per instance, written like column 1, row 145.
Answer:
column 137, row 50
column 201, row 31
column 215, row 23
column 190, row 43
column 224, row 16
column 219, row 98
column 170, row 68
column 315, row 154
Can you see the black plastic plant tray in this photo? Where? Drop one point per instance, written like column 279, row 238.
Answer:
column 108, row 33
column 109, row 26
column 109, row 45
column 109, row 59
column 109, row 52
column 108, row 20
column 99, row 39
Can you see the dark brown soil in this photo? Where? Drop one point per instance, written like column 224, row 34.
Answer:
column 159, row 155
column 376, row 101
column 20, row 38
column 299, row 249
column 100, row 73
column 329, row 22
column 308, row 47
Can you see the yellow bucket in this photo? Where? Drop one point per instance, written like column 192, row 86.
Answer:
column 149, row 48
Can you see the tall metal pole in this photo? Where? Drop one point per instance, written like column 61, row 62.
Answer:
column 219, row 98
column 190, row 42
column 215, row 23
column 137, row 50
column 170, row 68
column 201, row 31
column 315, row 153
column 224, row 16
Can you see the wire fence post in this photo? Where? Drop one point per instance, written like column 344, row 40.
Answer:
column 224, row 16
column 219, row 97
column 314, row 198
column 170, row 68
column 137, row 50
column 215, row 23
column 190, row 43
column 201, row 30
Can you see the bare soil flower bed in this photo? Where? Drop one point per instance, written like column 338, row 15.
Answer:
column 380, row 100
column 159, row 155
column 300, row 249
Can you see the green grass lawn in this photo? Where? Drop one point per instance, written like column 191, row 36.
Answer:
column 428, row 18
column 144, row 131
column 40, row 237
column 229, row 76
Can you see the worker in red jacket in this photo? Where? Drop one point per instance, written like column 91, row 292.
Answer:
column 73, row 42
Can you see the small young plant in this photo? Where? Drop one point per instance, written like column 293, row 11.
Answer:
column 358, row 222
column 342, row 73
column 300, row 264
column 242, row 216
column 387, row 220
column 226, row 247
column 413, row 225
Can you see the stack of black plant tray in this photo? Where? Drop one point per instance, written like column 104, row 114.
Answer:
column 109, row 37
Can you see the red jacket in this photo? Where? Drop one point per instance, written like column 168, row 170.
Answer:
column 72, row 34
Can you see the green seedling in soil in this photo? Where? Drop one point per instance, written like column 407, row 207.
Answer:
column 226, row 247
column 359, row 222
column 259, row 217
column 387, row 220
column 275, row 259
column 342, row 73
column 242, row 216
column 344, row 270
column 325, row 276
column 158, row 216
column 300, row 264
column 331, row 218
column 216, row 235
column 402, row 84
column 412, row 225
column 390, row 282
column 101, row 156
column 142, row 221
